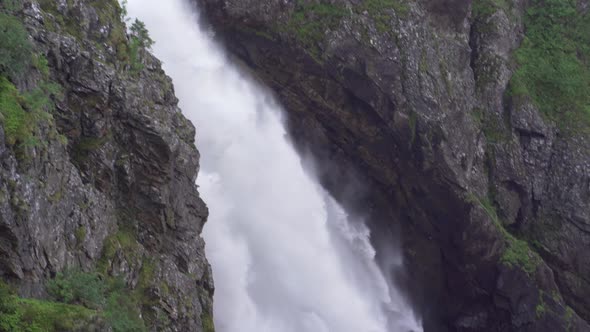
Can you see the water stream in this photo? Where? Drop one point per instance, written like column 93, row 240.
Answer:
column 285, row 256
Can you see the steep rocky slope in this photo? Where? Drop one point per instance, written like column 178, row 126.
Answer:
column 98, row 205
column 467, row 124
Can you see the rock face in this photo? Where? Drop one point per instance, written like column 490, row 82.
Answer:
column 410, row 98
column 109, row 185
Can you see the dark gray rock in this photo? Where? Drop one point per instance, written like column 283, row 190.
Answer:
column 411, row 101
column 112, row 187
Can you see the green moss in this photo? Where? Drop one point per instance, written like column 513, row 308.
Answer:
column 80, row 234
column 125, row 241
column 383, row 12
column 554, row 63
column 518, row 253
column 208, row 325
column 310, row 21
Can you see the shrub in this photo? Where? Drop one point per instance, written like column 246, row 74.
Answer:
column 15, row 120
column 77, row 287
column 108, row 296
column 16, row 50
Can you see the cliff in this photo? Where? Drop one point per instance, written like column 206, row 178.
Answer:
column 100, row 217
column 467, row 122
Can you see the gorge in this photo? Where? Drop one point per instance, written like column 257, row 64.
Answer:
column 362, row 165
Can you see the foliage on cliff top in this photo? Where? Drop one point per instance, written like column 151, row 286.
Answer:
column 554, row 62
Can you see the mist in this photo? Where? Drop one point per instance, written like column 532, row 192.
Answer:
column 285, row 256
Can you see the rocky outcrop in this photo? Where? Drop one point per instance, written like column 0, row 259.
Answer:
column 105, row 182
column 412, row 99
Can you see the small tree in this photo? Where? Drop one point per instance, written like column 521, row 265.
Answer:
column 141, row 34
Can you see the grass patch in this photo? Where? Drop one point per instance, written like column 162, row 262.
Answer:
column 554, row 63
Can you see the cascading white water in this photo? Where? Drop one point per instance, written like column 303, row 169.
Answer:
column 285, row 257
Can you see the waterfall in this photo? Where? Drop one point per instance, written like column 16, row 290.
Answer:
column 285, row 255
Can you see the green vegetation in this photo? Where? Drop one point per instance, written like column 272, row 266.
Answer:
column 123, row 240
column 383, row 11
column 18, row 314
column 540, row 310
column 554, row 61
column 81, row 151
column 207, row 321
column 40, row 62
column 15, row 120
column 16, row 50
column 518, row 252
column 10, row 6
column 65, row 23
column 21, row 112
column 140, row 40
column 311, row 20
column 482, row 9
column 107, row 296
column 78, row 288
column 80, row 235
